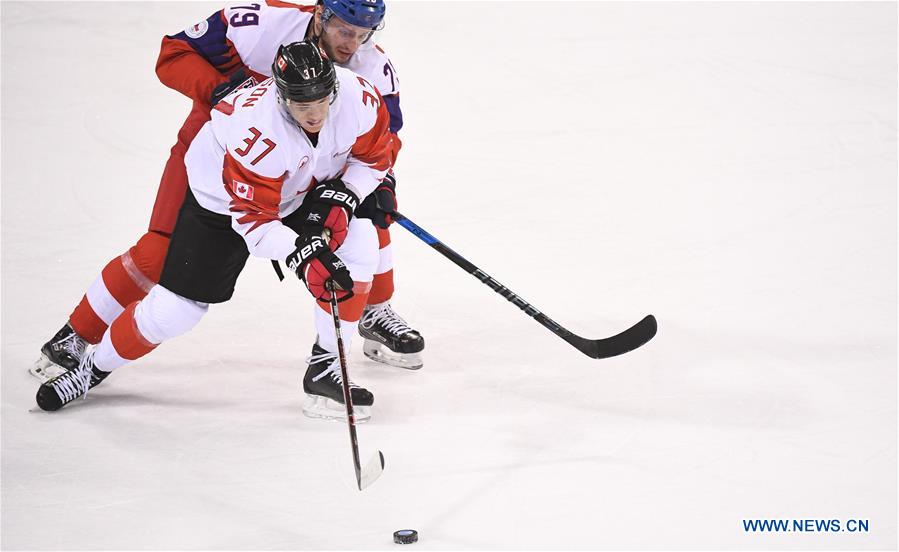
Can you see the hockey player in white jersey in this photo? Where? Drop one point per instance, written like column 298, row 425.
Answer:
column 276, row 173
column 205, row 62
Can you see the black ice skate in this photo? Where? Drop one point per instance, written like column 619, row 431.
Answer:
column 324, row 389
column 72, row 384
column 388, row 339
column 59, row 355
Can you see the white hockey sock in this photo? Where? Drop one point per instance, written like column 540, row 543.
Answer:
column 327, row 339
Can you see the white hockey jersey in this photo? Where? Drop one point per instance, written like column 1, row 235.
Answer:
column 196, row 59
column 253, row 162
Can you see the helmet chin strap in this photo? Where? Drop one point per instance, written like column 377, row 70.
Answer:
column 282, row 101
column 310, row 32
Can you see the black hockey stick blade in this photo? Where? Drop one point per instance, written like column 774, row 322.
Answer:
column 628, row 340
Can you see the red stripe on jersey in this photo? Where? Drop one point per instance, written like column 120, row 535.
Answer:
column 257, row 197
column 225, row 107
column 376, row 147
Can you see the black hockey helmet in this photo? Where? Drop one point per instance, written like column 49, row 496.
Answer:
column 302, row 73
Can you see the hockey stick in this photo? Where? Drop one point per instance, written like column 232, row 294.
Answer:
column 618, row 344
column 367, row 475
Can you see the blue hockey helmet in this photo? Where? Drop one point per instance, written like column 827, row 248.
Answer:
column 368, row 14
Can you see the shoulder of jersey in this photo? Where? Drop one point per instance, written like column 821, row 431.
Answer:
column 289, row 12
column 269, row 17
column 375, row 66
column 348, row 81
column 271, row 7
column 353, row 98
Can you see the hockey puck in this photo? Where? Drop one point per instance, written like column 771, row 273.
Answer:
column 405, row 536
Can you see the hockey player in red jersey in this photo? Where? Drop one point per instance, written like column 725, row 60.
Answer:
column 205, row 62
column 278, row 169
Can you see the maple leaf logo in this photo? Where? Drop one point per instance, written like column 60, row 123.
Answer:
column 243, row 190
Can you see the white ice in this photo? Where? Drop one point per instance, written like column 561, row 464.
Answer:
column 729, row 167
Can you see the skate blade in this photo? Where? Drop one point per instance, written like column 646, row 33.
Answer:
column 381, row 353
column 323, row 408
column 45, row 370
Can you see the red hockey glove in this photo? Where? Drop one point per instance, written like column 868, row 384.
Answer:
column 315, row 264
column 329, row 206
column 381, row 203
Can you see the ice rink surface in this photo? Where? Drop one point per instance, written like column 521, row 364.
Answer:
column 728, row 167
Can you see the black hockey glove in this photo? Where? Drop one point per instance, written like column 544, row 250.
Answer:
column 329, row 206
column 381, row 203
column 239, row 79
column 315, row 264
